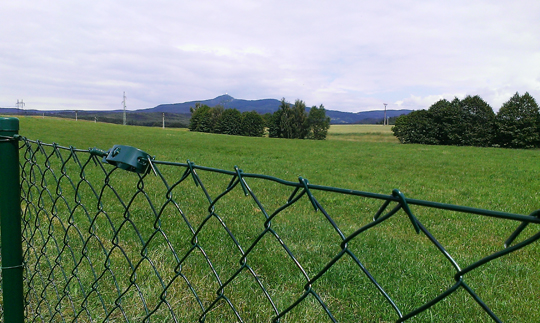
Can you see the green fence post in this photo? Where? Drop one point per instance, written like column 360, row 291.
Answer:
column 10, row 222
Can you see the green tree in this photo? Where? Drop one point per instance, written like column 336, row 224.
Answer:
column 194, row 120
column 299, row 120
column 467, row 122
column 215, row 116
column 230, row 122
column 274, row 125
column 289, row 121
column 252, row 124
column 267, row 117
column 201, row 119
column 280, row 125
column 285, row 120
column 478, row 121
column 517, row 122
column 292, row 121
column 192, row 109
column 446, row 118
column 318, row 122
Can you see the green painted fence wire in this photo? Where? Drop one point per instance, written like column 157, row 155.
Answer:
column 98, row 245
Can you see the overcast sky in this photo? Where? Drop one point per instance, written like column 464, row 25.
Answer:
column 348, row 55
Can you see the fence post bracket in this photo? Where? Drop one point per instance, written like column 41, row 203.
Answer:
column 128, row 158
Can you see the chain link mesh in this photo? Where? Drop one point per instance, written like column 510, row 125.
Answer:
column 184, row 242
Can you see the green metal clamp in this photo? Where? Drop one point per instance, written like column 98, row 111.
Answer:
column 128, row 158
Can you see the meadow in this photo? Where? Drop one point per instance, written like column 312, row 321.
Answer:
column 357, row 157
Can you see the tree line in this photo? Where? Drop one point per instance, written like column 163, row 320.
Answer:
column 225, row 121
column 290, row 121
column 472, row 122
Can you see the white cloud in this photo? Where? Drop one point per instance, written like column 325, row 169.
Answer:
column 347, row 55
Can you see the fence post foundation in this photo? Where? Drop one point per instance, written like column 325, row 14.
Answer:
column 10, row 222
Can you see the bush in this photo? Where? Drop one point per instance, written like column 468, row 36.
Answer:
column 416, row 127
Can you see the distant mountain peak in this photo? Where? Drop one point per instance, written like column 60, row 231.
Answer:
column 224, row 97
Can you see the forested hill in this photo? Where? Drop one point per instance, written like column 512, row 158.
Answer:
column 227, row 101
column 272, row 105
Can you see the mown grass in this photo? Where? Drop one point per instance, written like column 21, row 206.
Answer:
column 366, row 133
column 354, row 157
column 359, row 128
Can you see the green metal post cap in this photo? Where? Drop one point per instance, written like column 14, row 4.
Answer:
column 128, row 158
column 9, row 124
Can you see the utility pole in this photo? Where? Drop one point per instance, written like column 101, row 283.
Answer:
column 384, row 121
column 20, row 105
column 163, row 120
column 124, row 103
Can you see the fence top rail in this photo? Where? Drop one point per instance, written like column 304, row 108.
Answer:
column 532, row 218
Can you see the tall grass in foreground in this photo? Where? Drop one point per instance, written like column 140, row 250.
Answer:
column 405, row 263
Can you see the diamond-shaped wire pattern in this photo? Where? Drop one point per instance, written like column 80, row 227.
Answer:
column 190, row 243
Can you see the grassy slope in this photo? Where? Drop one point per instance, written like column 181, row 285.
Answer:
column 498, row 179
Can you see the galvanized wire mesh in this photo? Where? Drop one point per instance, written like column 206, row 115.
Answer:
column 182, row 242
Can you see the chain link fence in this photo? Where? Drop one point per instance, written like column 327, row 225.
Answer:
column 119, row 236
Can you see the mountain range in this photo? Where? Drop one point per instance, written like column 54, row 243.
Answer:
column 182, row 111
column 271, row 105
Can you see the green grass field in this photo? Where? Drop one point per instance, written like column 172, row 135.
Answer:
column 360, row 157
column 366, row 133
